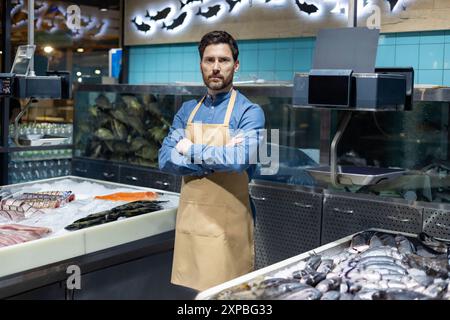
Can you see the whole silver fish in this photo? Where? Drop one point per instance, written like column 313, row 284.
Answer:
column 382, row 251
column 328, row 284
column 424, row 281
column 395, row 294
column 346, row 296
column 395, row 268
column 404, row 246
column 376, row 259
column 375, row 242
column 313, row 278
column 365, row 295
column 307, row 293
column 387, row 240
column 331, row 295
column 366, row 275
column 326, row 266
column 274, row 287
column 311, row 266
column 360, row 241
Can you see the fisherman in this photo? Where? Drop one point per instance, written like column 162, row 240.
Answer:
column 211, row 144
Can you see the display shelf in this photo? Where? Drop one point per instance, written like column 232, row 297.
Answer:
column 18, row 149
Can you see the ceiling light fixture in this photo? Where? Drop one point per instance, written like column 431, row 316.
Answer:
column 104, row 6
column 48, row 49
column 80, row 50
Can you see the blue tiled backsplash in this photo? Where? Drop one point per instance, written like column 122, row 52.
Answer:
column 278, row 59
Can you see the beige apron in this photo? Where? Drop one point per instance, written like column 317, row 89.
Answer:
column 214, row 227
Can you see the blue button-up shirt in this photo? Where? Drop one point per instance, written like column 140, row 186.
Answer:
column 246, row 117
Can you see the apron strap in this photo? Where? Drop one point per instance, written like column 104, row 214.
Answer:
column 230, row 108
column 191, row 117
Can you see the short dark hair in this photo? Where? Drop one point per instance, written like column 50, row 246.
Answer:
column 217, row 37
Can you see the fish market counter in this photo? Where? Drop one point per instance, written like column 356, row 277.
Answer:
column 375, row 264
column 107, row 254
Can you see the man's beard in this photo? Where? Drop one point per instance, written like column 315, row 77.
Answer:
column 217, row 85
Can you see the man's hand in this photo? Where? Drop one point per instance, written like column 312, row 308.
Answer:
column 183, row 146
column 238, row 139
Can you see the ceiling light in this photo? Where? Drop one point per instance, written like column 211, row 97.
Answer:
column 97, row 71
column 80, row 80
column 48, row 49
column 1, row 52
column 78, row 74
column 81, row 50
column 104, row 5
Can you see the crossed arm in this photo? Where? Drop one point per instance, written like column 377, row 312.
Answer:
column 178, row 155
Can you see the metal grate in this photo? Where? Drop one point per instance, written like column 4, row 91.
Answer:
column 344, row 215
column 437, row 223
column 287, row 223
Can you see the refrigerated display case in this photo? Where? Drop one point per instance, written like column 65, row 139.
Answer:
column 133, row 253
column 118, row 130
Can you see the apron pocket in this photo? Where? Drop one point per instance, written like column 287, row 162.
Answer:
column 201, row 219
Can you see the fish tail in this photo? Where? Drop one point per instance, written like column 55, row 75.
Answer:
column 164, row 26
column 134, row 20
column 199, row 11
column 147, row 15
column 182, row 4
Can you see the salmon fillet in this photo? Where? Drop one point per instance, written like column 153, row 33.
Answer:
column 129, row 196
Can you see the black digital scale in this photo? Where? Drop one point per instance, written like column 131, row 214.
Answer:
column 343, row 77
column 6, row 84
column 18, row 84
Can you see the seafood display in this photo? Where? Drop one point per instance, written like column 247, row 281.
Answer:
column 123, row 127
column 14, row 233
column 16, row 210
column 129, row 196
column 41, row 204
column 47, row 199
column 128, row 210
column 27, row 204
column 375, row 266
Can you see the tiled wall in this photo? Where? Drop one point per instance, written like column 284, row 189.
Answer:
column 278, row 59
column 427, row 52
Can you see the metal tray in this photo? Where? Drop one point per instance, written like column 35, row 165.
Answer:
column 329, row 250
column 351, row 175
